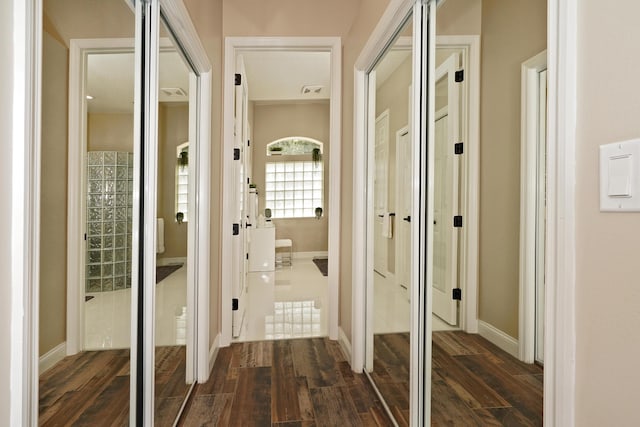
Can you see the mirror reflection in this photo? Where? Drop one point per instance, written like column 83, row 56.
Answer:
column 172, row 226
column 476, row 348
column 85, row 308
column 391, row 179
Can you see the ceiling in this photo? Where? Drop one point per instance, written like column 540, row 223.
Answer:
column 110, row 81
column 280, row 76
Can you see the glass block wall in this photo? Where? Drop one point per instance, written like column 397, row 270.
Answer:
column 109, row 212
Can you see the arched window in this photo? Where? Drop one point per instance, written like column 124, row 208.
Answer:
column 294, row 188
column 293, row 146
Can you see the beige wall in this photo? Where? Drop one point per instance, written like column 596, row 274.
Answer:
column 173, row 130
column 110, row 132
column 6, row 145
column 394, row 95
column 608, row 244
column 459, row 17
column 275, row 121
column 512, row 32
column 89, row 18
column 53, row 202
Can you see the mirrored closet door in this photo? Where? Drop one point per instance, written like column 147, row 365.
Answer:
column 396, row 272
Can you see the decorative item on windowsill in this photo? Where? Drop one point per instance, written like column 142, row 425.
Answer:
column 183, row 159
column 316, row 156
column 179, row 217
column 318, row 213
column 275, row 151
column 267, row 214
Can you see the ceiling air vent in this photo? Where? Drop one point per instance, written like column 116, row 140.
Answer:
column 173, row 92
column 312, row 89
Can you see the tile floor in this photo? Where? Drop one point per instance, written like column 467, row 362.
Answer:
column 392, row 309
column 107, row 316
column 290, row 302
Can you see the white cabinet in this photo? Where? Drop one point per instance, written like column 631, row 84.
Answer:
column 262, row 249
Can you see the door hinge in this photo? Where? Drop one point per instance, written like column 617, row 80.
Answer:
column 238, row 79
column 457, row 221
column 247, row 256
column 85, row 236
column 236, row 154
column 458, row 148
column 248, row 143
column 459, row 77
column 247, row 180
column 234, row 304
column 236, row 229
column 457, row 294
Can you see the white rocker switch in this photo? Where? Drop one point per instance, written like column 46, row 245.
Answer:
column 620, row 176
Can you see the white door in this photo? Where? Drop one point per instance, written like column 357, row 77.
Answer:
column 380, row 190
column 403, row 209
column 240, row 191
column 446, row 192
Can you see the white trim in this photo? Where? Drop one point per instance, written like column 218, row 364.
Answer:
column 503, row 340
column 302, row 255
column 233, row 45
column 560, row 297
column 529, row 147
column 470, row 196
column 51, row 357
column 25, row 212
column 213, row 353
column 345, row 344
column 171, row 261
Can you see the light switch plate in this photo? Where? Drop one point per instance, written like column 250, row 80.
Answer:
column 620, row 176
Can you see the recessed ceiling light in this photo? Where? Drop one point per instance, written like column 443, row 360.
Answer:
column 89, row 97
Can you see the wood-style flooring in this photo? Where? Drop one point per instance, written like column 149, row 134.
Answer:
column 474, row 383
column 303, row 382
column 92, row 388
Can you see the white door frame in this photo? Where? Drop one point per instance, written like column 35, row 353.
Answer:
column 560, row 346
column 529, row 174
column 233, row 46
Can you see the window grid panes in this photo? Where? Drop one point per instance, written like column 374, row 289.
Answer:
column 182, row 184
column 294, row 189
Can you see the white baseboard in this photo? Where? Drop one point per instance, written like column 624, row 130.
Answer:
column 171, row 261
column 345, row 344
column 52, row 357
column 297, row 255
column 499, row 338
column 213, row 352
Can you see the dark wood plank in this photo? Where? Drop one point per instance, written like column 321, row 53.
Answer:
column 312, row 360
column 333, row 407
column 284, row 385
column 219, row 380
column 448, row 409
column 252, row 405
column 522, row 396
column 208, row 410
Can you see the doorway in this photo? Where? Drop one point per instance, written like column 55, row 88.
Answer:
column 262, row 201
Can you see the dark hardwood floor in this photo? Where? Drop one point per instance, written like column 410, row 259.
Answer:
column 92, row 388
column 304, row 382
column 474, row 383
